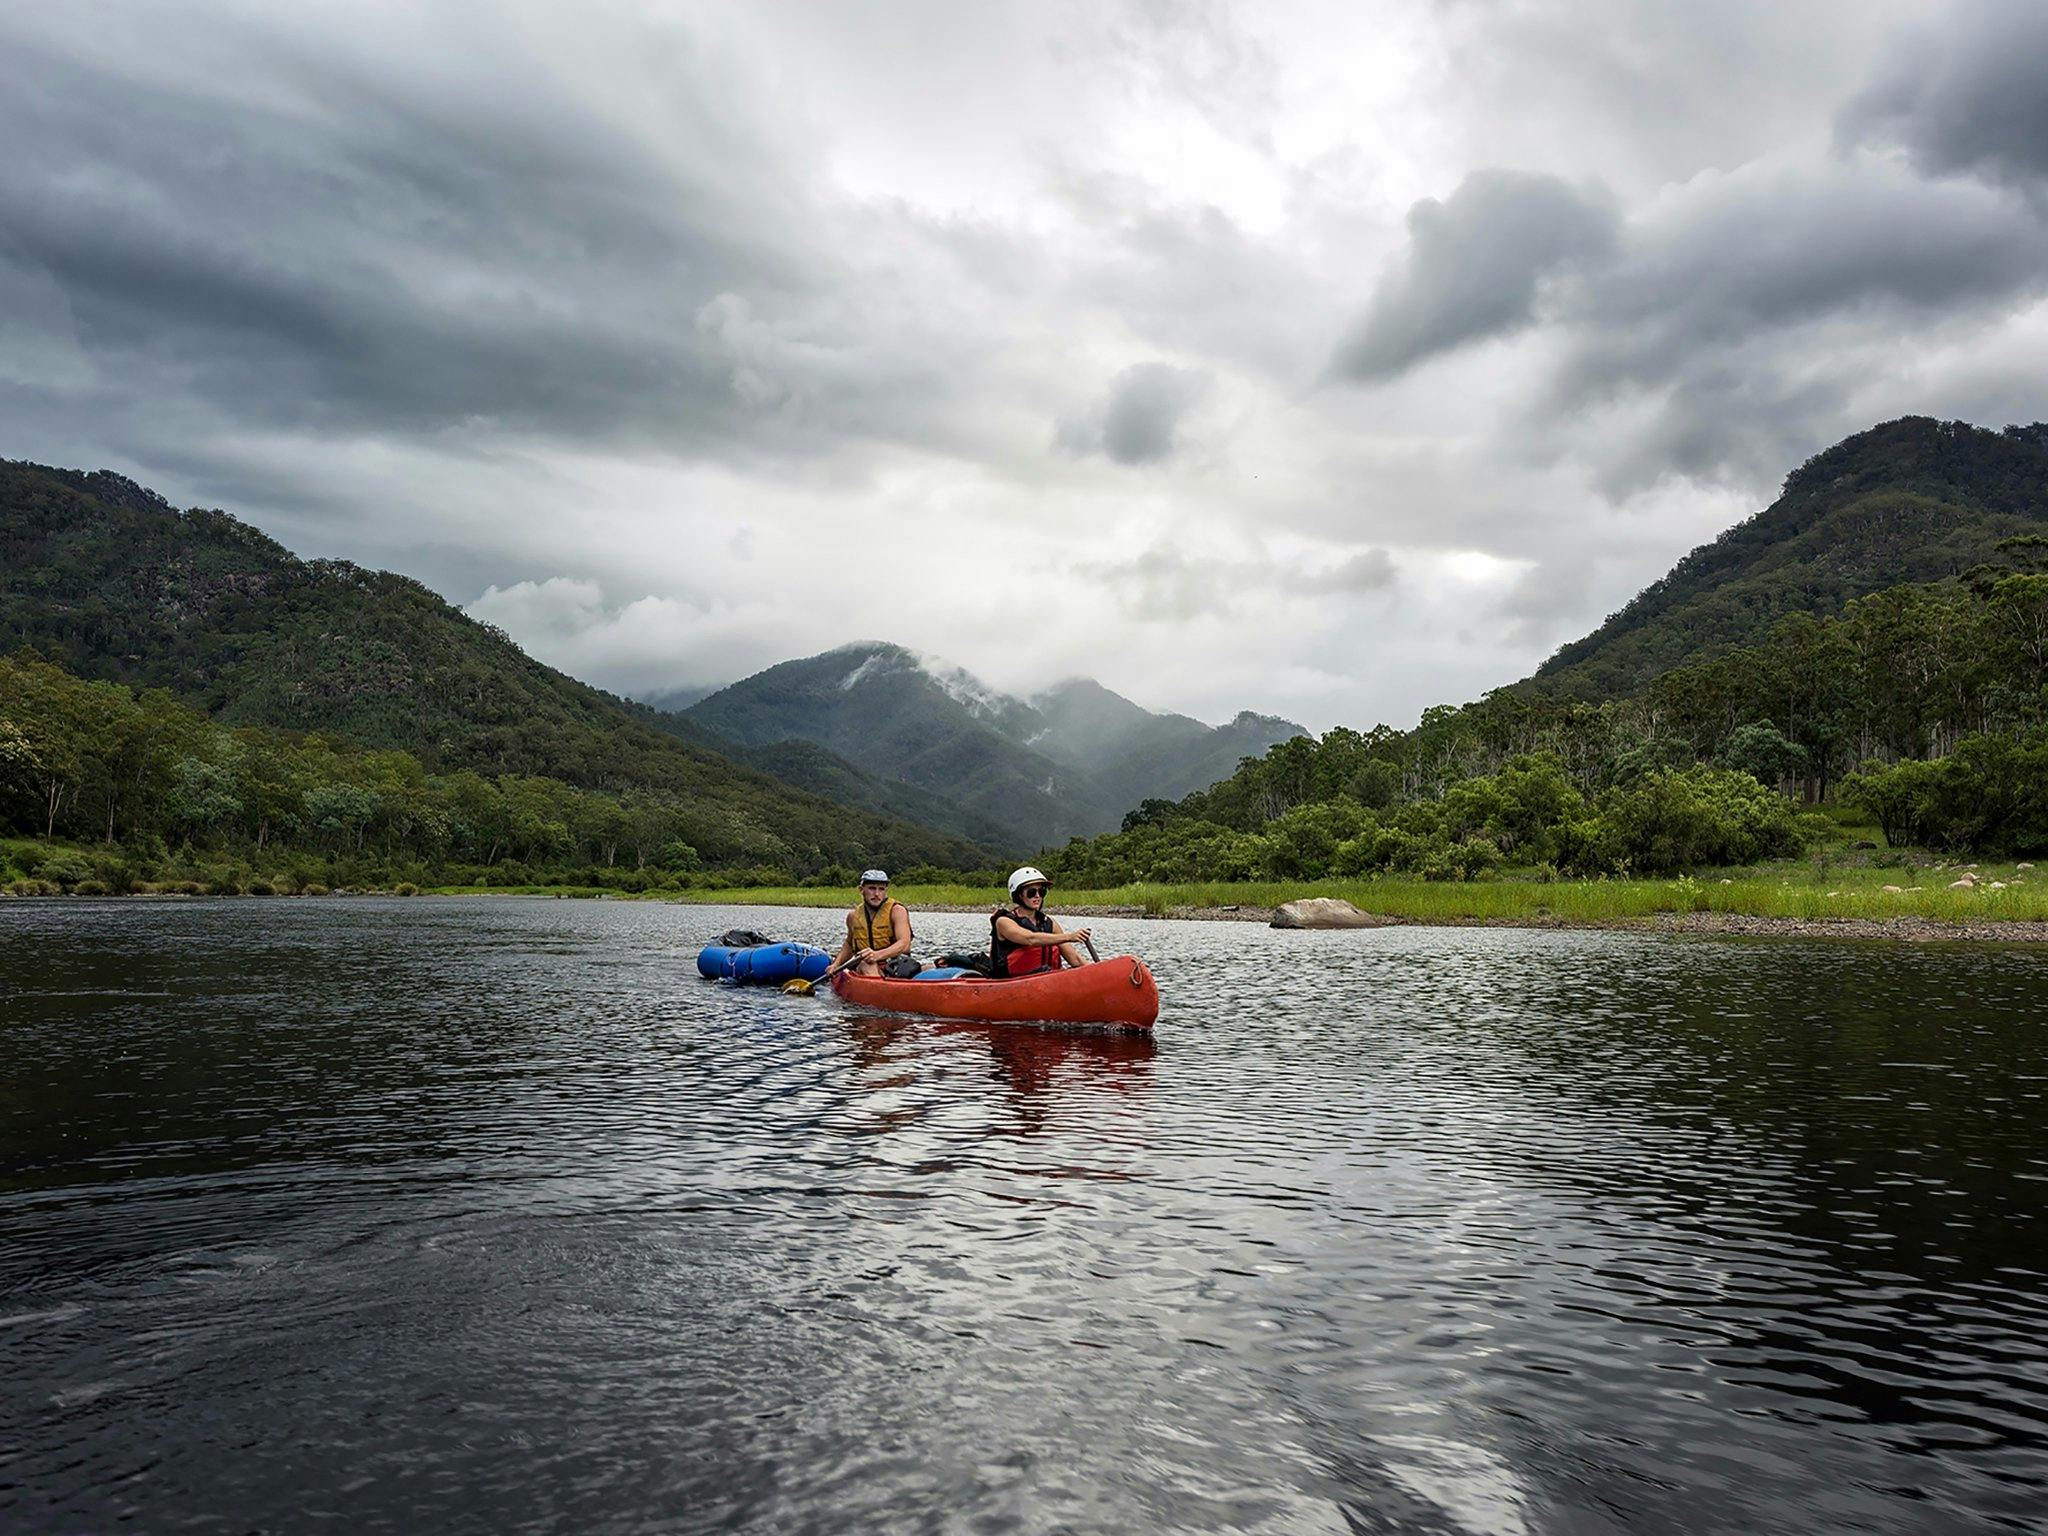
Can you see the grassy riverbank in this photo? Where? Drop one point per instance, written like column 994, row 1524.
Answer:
column 1839, row 889
column 1798, row 892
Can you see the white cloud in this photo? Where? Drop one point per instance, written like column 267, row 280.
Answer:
column 542, row 610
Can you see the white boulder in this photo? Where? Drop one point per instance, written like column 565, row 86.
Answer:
column 1322, row 912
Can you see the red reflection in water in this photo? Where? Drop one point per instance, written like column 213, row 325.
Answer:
column 1030, row 1058
column 1043, row 1068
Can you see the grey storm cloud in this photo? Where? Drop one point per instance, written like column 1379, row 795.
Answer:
column 1731, row 314
column 1968, row 95
column 1188, row 279
column 1165, row 585
column 1138, row 420
column 1740, row 310
column 353, row 262
column 1754, row 253
column 356, row 243
column 1547, row 599
column 1370, row 570
column 1702, row 311
column 1472, row 268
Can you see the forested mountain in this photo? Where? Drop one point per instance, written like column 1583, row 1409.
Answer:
column 880, row 707
column 1136, row 755
column 1913, row 500
column 112, row 582
column 1877, row 636
column 1068, row 762
column 808, row 766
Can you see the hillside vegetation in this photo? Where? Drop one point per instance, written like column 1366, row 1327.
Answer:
column 1909, row 502
column 1922, row 708
column 110, row 581
column 155, row 792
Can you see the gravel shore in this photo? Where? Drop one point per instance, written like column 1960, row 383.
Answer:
column 1911, row 930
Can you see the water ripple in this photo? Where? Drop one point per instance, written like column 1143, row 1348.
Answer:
column 495, row 1215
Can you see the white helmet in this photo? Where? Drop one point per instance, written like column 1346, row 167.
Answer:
column 1026, row 876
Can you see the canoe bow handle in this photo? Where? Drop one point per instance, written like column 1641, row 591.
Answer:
column 1137, row 974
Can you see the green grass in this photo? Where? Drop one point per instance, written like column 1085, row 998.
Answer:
column 1839, row 883
column 1801, row 891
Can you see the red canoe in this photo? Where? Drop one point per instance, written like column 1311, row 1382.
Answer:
column 1118, row 990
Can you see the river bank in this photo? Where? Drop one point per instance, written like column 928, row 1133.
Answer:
column 1905, row 898
column 1899, row 929
column 1921, row 904
column 1910, row 930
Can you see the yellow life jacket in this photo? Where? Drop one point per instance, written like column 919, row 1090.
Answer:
column 881, row 932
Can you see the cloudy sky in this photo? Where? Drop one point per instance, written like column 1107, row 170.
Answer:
column 1333, row 360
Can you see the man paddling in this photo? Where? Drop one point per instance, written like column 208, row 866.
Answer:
column 1024, row 940
column 877, row 931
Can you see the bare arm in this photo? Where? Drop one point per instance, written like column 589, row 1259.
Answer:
column 1013, row 932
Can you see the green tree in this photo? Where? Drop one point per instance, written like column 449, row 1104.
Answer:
column 1762, row 751
column 343, row 811
column 42, row 707
column 1896, row 795
column 1676, row 820
column 603, row 824
column 2017, row 624
column 480, row 825
column 202, row 801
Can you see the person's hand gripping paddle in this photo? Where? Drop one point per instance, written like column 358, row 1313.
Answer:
column 798, row 987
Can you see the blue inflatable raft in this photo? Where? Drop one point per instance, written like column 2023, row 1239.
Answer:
column 763, row 965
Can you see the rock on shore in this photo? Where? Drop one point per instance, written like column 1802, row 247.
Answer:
column 1324, row 912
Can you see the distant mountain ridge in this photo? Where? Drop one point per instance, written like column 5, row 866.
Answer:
column 114, row 582
column 1912, row 500
column 676, row 700
column 1136, row 755
column 1068, row 762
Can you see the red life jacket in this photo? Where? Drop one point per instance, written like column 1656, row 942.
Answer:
column 1007, row 959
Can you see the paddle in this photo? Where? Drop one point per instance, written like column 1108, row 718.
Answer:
column 798, row 987
column 1091, row 951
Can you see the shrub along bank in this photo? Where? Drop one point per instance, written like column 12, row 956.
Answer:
column 35, row 867
column 1529, row 814
column 144, row 790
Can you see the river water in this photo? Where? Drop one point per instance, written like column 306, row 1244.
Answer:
column 491, row 1216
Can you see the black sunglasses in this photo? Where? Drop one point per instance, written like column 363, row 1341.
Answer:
column 1024, row 893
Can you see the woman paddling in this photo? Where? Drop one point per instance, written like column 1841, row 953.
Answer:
column 1023, row 940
